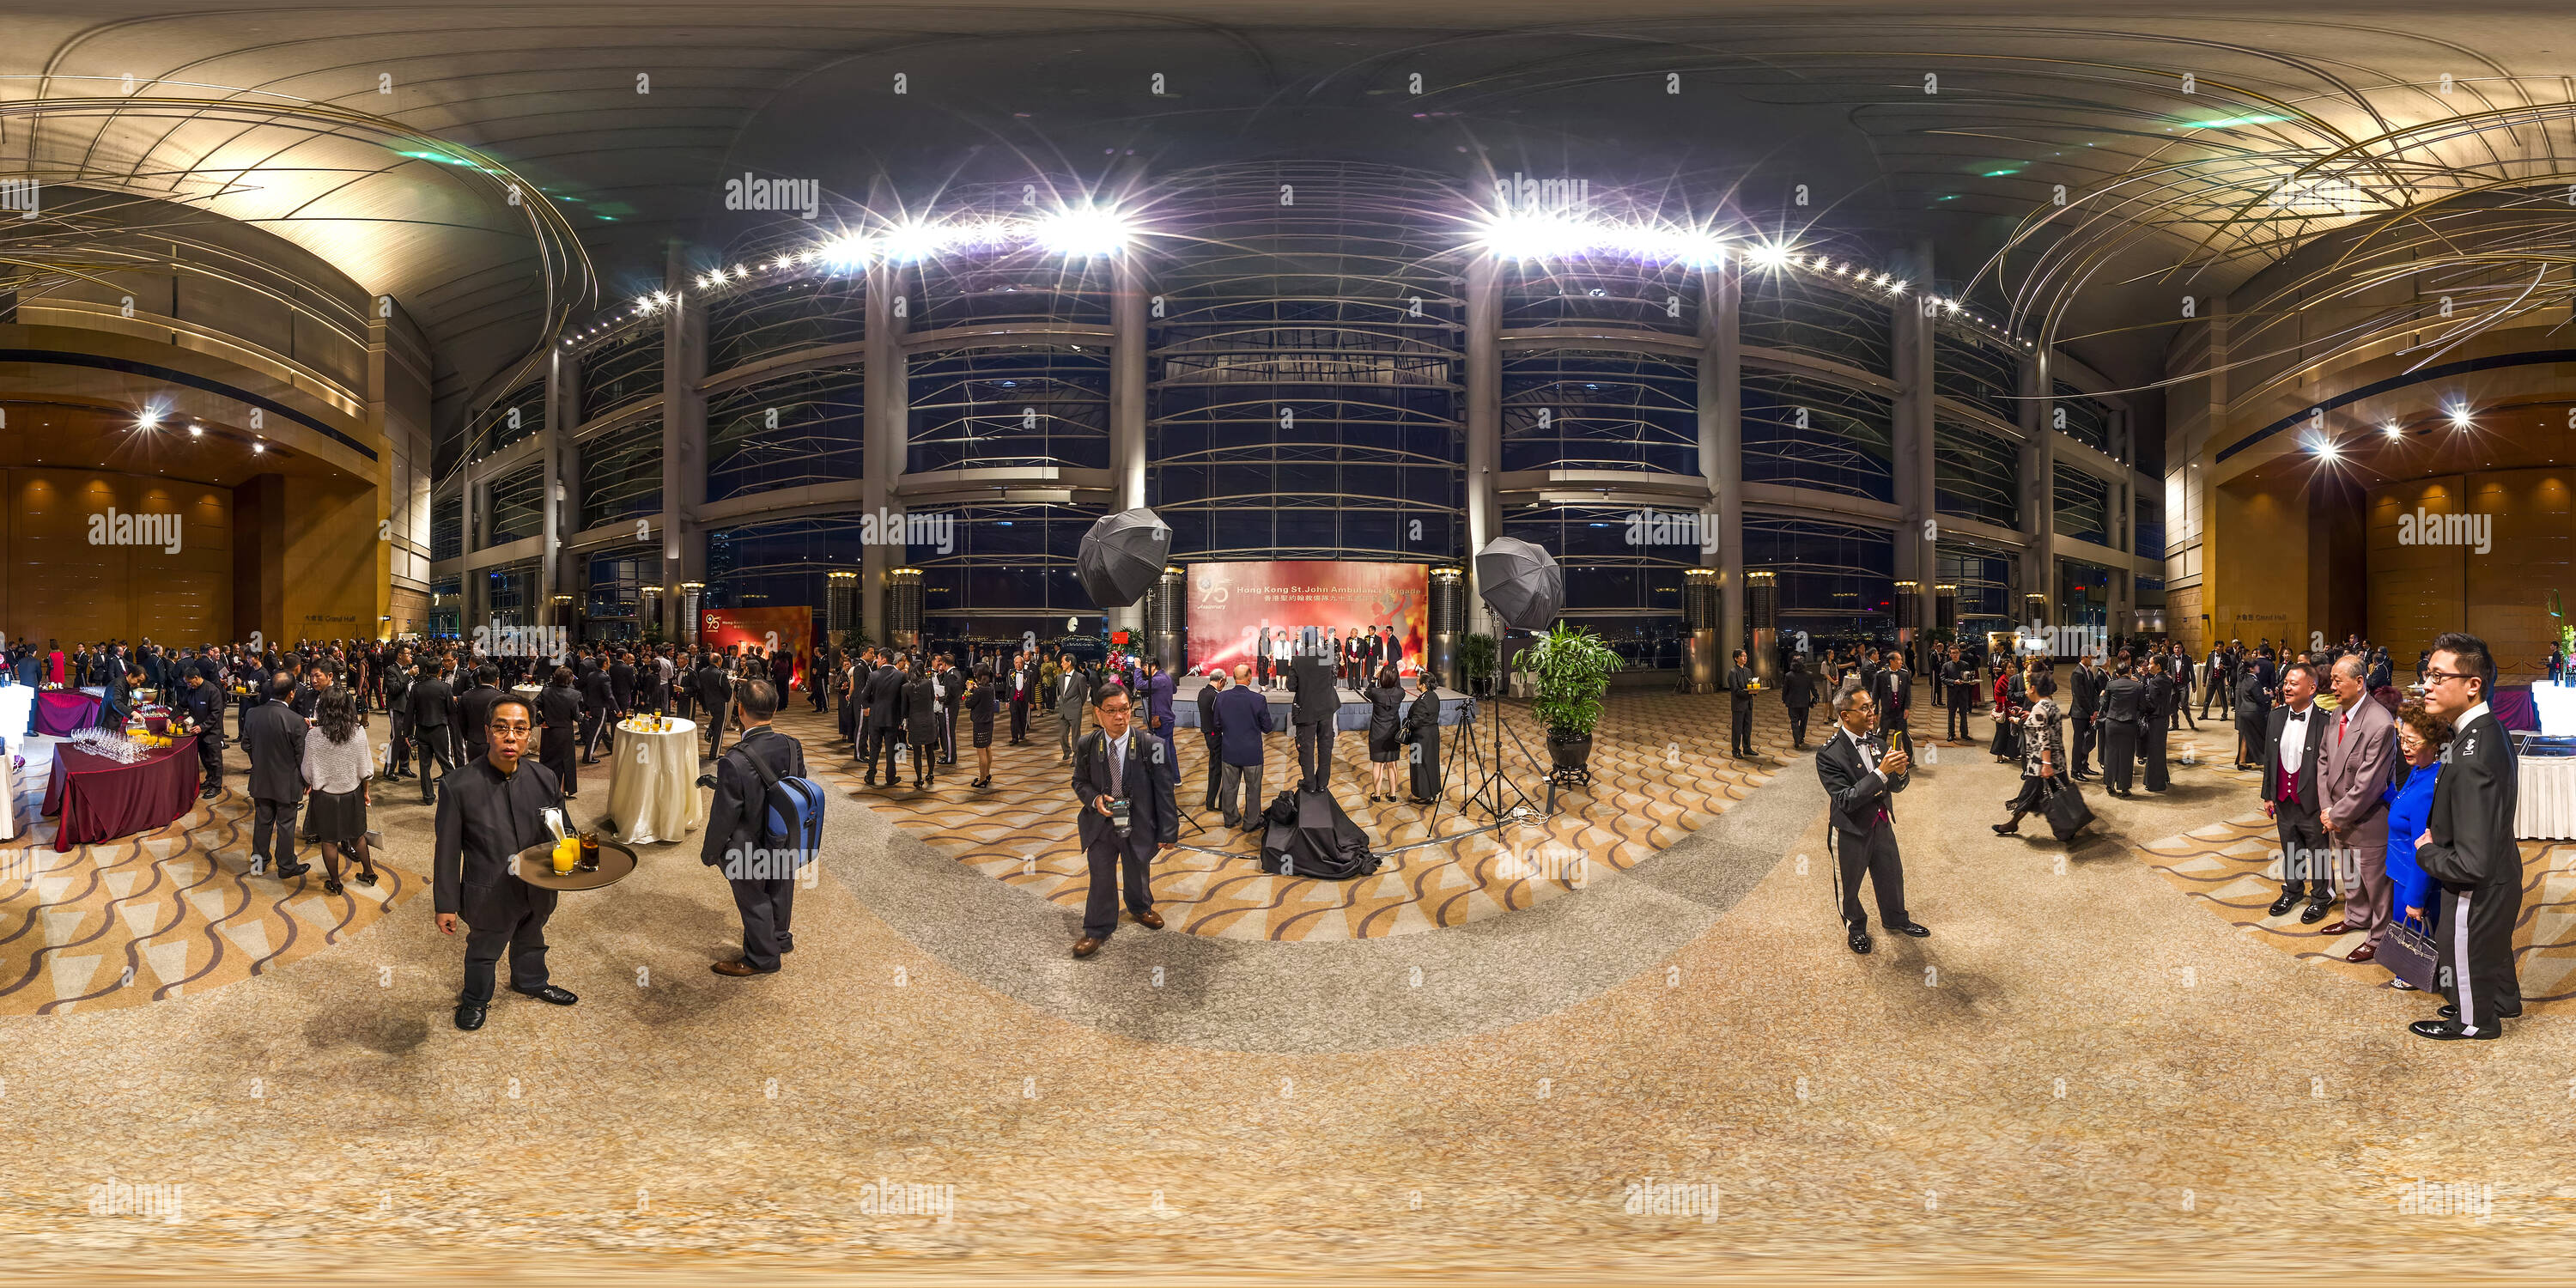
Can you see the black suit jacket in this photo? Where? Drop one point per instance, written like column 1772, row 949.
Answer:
column 483, row 821
column 433, row 704
column 274, row 736
column 734, row 816
column 474, row 714
column 621, row 683
column 1858, row 793
column 559, row 707
column 1152, row 817
column 1318, row 696
column 885, row 698
column 2089, row 682
column 2473, row 806
column 1896, row 690
column 2311, row 762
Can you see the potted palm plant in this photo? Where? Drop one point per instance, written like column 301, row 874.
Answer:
column 1476, row 662
column 1574, row 668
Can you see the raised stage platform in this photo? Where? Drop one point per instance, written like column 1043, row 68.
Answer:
column 1455, row 707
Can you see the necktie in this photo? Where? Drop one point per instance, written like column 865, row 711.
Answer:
column 1117, row 771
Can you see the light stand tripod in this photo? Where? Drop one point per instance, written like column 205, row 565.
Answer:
column 1498, row 795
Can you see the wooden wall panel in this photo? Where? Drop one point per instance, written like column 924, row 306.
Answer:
column 2416, row 591
column 62, row 587
column 2532, row 551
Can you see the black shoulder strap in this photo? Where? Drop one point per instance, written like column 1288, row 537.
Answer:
column 768, row 776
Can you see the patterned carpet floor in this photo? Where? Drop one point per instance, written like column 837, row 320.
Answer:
column 1657, row 777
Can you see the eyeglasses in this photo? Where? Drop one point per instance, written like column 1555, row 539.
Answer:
column 2436, row 677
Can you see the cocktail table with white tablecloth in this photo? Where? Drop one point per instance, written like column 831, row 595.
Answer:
column 2544, row 789
column 653, row 783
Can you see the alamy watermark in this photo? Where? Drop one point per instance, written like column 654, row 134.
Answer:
column 2043, row 640
column 1651, row 1197
column 119, row 1198
column 25, row 196
column 886, row 1196
column 2425, row 528
column 1523, row 194
column 2474, row 1199
column 802, row 197
column 757, row 864
column 498, row 640
column 117, row 528
column 896, row 528
column 1652, row 527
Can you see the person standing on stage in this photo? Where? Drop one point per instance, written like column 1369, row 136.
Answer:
column 433, row 707
column 1860, row 775
column 1283, row 655
column 1371, row 655
column 273, row 736
column 2468, row 846
column 559, row 728
column 1317, row 704
column 1739, row 692
column 2293, row 745
column 201, row 710
column 1128, row 815
column 491, row 811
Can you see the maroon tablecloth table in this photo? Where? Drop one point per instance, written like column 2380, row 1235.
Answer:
column 101, row 799
column 60, row 711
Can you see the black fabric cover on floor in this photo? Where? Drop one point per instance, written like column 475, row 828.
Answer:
column 1309, row 836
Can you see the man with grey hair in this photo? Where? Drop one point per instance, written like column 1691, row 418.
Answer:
column 2360, row 756
column 1242, row 716
column 1861, row 774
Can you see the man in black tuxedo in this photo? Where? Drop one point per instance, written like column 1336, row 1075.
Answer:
column 200, row 709
column 274, row 736
column 2088, row 683
column 1895, row 693
column 433, row 708
column 1960, row 678
column 1119, row 766
column 598, row 706
column 1860, row 772
column 1316, row 705
column 1208, row 733
column 2293, row 761
column 474, row 711
column 2468, row 845
column 715, row 700
column 621, row 682
column 1739, row 692
column 395, row 688
column 1024, row 686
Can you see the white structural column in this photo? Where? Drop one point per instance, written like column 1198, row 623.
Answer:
column 1127, row 339
column 883, row 433
column 1484, row 360
column 2039, row 489
column 1721, row 441
column 563, row 415
column 555, row 524
column 1913, row 441
column 684, row 443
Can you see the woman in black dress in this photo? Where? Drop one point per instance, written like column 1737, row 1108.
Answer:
column 1422, row 733
column 1385, row 740
column 922, row 728
column 981, row 698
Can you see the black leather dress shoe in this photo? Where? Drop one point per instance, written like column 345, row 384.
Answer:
column 2450, row 1031
column 469, row 1016
column 1915, row 929
column 2314, row 913
column 1859, row 942
column 2284, row 904
column 548, row 993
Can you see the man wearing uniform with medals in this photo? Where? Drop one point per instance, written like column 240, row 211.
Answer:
column 490, row 810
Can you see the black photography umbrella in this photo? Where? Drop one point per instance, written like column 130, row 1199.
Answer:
column 1520, row 582
column 1121, row 556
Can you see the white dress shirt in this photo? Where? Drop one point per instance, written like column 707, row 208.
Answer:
column 2294, row 738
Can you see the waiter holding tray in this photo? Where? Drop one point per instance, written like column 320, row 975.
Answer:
column 489, row 811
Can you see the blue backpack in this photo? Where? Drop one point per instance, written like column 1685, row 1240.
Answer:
column 791, row 820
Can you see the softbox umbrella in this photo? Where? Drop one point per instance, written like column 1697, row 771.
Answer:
column 1521, row 583
column 1122, row 556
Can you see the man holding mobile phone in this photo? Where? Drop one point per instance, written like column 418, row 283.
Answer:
column 1125, row 785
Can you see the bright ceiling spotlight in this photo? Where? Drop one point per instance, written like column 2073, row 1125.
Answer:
column 2326, row 448
column 196, row 431
column 1898, row 289
column 1767, row 255
column 2459, row 415
column 1532, row 235
column 1952, row 305
column 1079, row 232
column 148, row 418
column 257, row 448
column 2393, row 430
column 660, row 298
column 914, row 240
column 847, row 252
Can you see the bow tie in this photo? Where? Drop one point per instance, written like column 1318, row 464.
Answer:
column 2298, row 715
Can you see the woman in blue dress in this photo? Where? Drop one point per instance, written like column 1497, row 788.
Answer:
column 2420, row 739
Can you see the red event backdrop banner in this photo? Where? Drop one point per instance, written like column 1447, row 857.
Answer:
column 1230, row 601
column 789, row 628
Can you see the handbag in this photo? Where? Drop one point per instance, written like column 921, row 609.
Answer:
column 2067, row 813
column 2409, row 954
